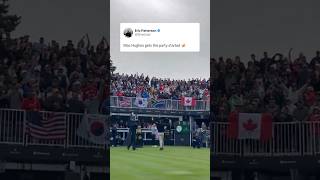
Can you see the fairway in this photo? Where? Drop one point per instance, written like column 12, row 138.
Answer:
column 148, row 163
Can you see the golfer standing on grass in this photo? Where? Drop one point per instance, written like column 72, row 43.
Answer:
column 161, row 128
column 155, row 135
column 132, row 131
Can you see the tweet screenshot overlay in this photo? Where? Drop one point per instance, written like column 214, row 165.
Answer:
column 159, row 37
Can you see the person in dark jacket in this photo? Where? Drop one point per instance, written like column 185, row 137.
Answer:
column 132, row 131
column 161, row 129
column 114, row 135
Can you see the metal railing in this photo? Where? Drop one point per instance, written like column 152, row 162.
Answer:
column 14, row 130
column 145, row 133
column 288, row 139
column 12, row 126
column 166, row 104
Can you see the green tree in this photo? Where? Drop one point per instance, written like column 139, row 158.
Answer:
column 8, row 23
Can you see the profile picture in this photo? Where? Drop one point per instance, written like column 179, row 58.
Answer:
column 128, row 32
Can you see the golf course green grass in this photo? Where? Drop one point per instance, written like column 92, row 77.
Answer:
column 149, row 163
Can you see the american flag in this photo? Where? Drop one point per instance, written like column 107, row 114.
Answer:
column 46, row 126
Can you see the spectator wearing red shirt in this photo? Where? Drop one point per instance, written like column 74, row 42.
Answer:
column 90, row 90
column 31, row 102
column 315, row 118
column 161, row 88
column 120, row 93
column 310, row 96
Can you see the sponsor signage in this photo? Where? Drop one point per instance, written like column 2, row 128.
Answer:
column 52, row 154
column 267, row 163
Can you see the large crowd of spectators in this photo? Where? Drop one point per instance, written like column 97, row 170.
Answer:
column 52, row 77
column 146, row 87
column 286, row 87
column 73, row 77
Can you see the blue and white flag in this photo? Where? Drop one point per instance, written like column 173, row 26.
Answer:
column 141, row 102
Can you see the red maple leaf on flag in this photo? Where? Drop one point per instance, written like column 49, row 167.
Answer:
column 249, row 125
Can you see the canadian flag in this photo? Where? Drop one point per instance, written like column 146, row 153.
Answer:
column 250, row 126
column 188, row 101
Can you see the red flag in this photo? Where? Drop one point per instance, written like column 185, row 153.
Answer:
column 233, row 124
column 250, row 126
column 188, row 101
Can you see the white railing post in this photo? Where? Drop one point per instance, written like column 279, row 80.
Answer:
column 25, row 137
column 4, row 127
column 132, row 99
column 117, row 101
column 313, row 138
column 66, row 142
column 273, row 140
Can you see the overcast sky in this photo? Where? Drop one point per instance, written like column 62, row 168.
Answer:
column 62, row 19
column 182, row 65
column 251, row 26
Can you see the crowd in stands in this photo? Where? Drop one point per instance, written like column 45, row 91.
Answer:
column 286, row 87
column 146, row 87
column 72, row 77
column 52, row 77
